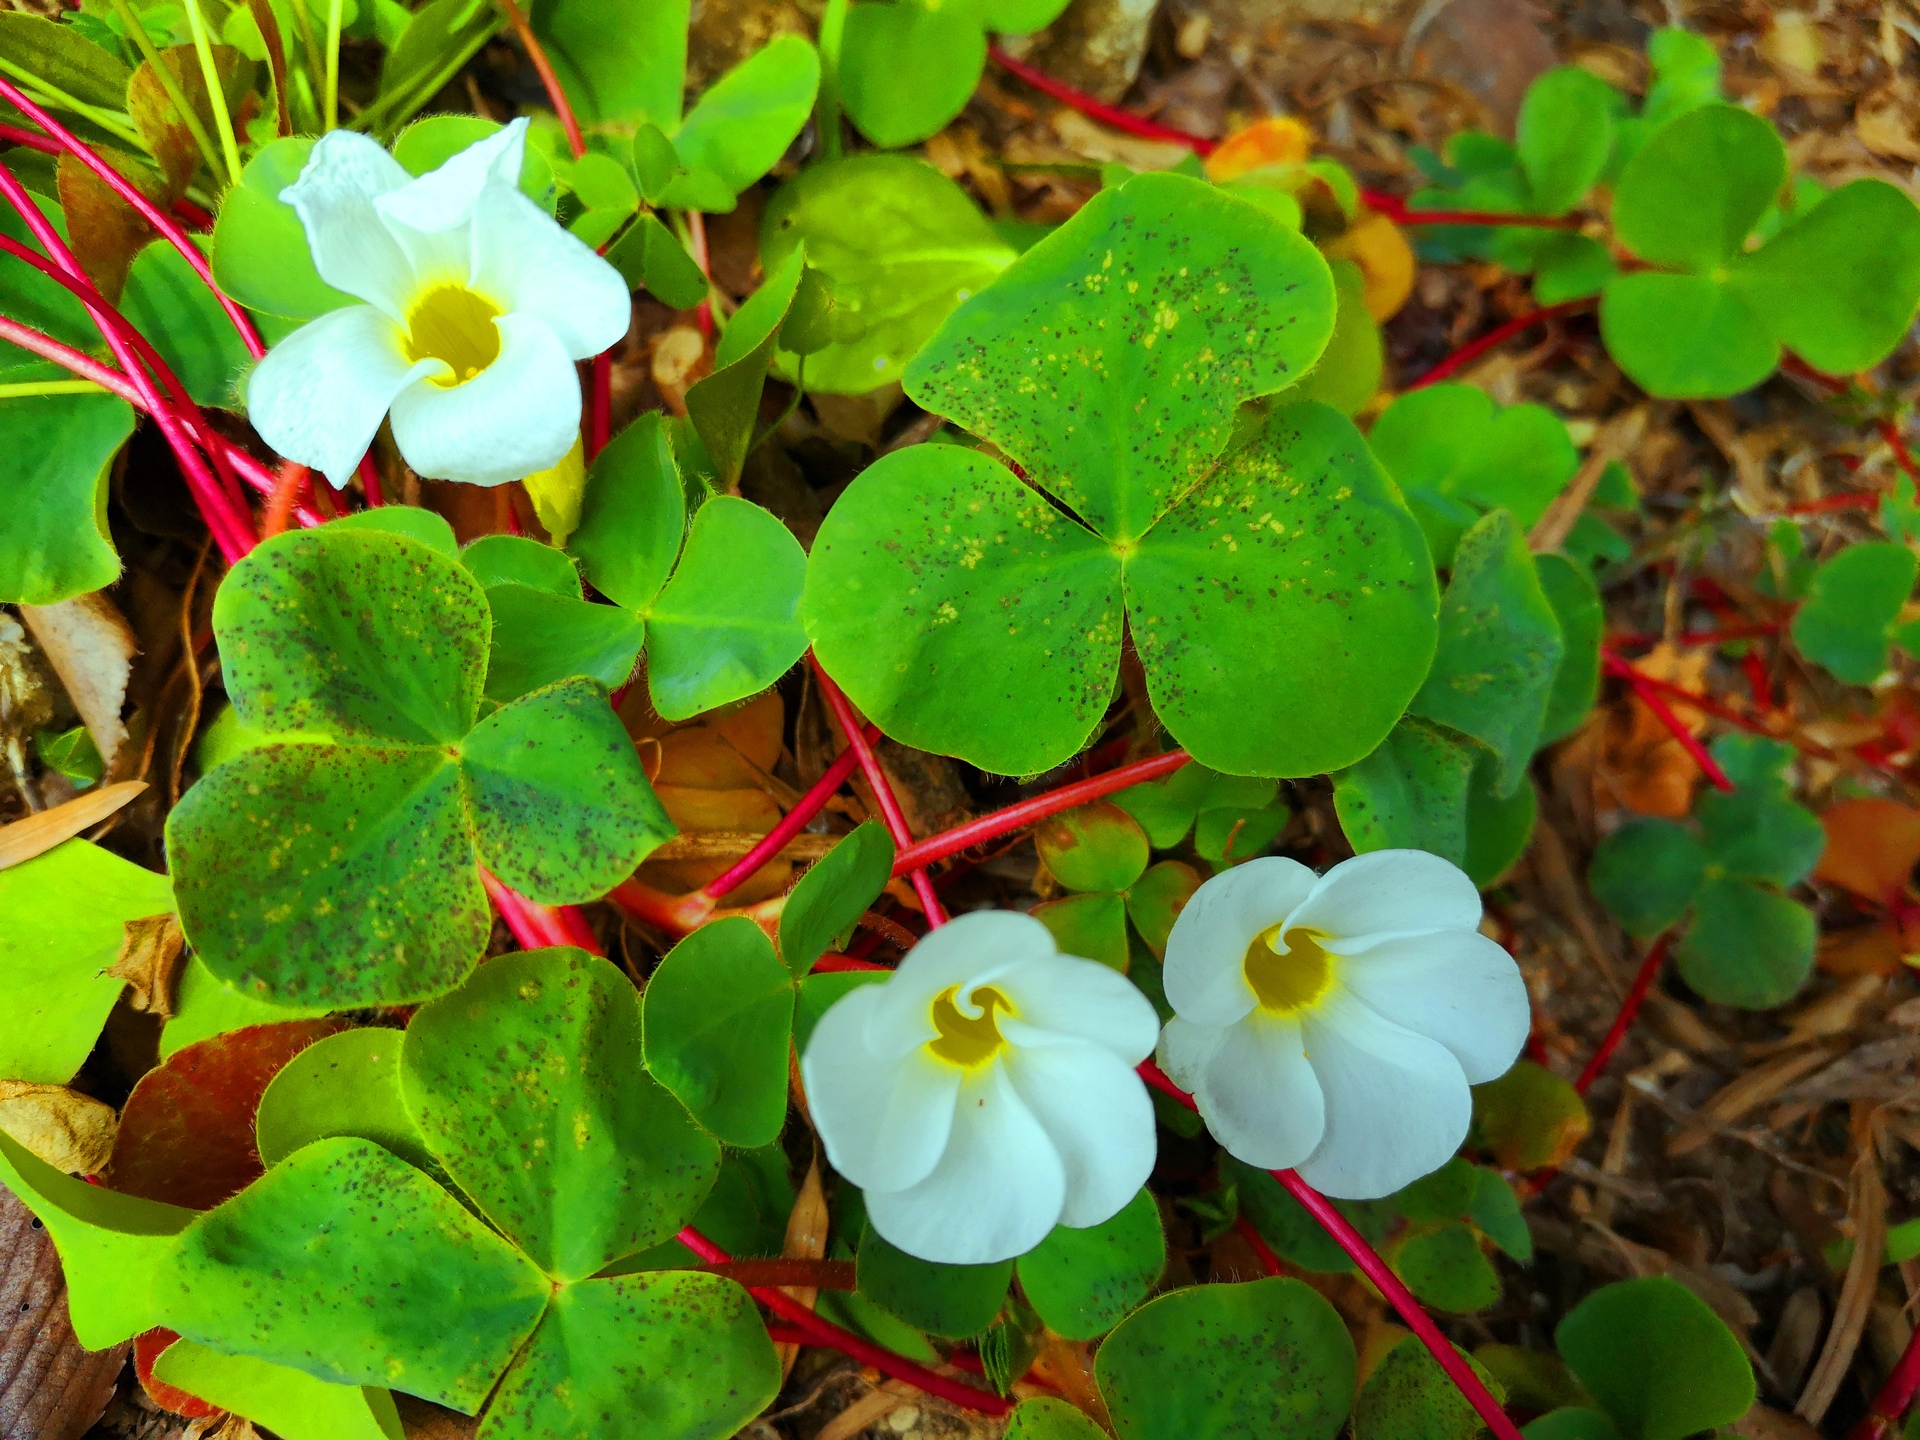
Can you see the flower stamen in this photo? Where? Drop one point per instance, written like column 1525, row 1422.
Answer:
column 1289, row 982
column 967, row 1040
column 454, row 325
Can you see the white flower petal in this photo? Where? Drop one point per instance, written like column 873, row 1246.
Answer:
column 1388, row 892
column 1259, row 1095
column 519, row 415
column 344, row 178
column 884, row 1120
column 444, row 197
column 1454, row 986
column 433, row 217
column 1098, row 1115
column 969, row 950
column 1397, row 1102
column 1062, row 998
column 529, row 265
column 320, row 394
column 997, row 1191
column 1207, row 949
column 1185, row 1048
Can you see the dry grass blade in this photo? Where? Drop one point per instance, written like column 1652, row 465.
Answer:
column 24, row 839
column 1856, row 1291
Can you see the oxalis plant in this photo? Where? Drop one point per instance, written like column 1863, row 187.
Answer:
column 414, row 1131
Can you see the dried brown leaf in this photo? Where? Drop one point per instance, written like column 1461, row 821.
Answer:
column 51, row 1387
column 68, row 1130
column 151, row 957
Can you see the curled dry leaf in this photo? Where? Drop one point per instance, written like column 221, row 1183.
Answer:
column 151, row 957
column 91, row 648
column 68, row 1130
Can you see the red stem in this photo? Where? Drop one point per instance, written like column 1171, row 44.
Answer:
column 370, row 482
column 1257, row 1242
column 233, row 533
column 537, row 926
column 87, row 368
column 599, row 405
column 1394, row 207
column 1028, row 812
column 1120, row 120
column 1379, row 1272
column 1496, row 337
column 183, row 407
column 791, row 824
column 820, row 1331
column 124, row 188
column 29, row 139
column 556, row 93
column 1895, row 1398
column 882, row 791
column 1645, row 692
column 1629, row 1010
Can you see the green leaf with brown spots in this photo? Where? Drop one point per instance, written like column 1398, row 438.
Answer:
column 674, row 1355
column 1216, row 1361
column 346, row 873
column 1283, row 609
column 528, row 1084
column 351, row 1265
column 1110, row 359
column 1276, row 588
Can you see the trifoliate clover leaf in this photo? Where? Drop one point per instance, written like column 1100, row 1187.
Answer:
column 726, row 624
column 348, row 873
column 1278, row 593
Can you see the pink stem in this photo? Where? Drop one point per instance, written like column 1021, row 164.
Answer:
column 697, row 233
column 107, row 378
column 370, row 482
column 1121, row 120
column 791, row 824
column 537, row 926
column 1647, row 695
column 1257, row 1242
column 1028, row 812
column 29, row 139
column 882, row 791
column 124, row 188
column 1395, row 209
column 821, row 1331
column 1379, row 1272
column 1629, row 1009
column 1895, row 1398
column 233, row 534
column 599, row 405
column 1495, row 338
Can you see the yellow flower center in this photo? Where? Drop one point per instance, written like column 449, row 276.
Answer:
column 967, row 1040
column 1293, row 981
column 453, row 324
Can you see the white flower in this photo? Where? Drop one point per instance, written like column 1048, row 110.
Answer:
column 477, row 306
column 985, row 1091
column 1333, row 1023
